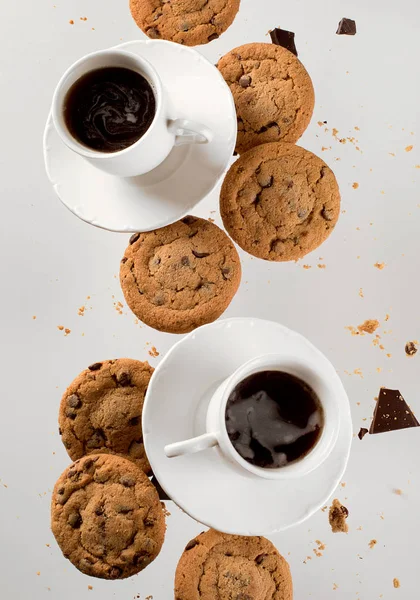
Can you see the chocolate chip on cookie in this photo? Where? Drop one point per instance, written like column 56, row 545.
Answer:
column 184, row 21
column 104, row 528
column 100, row 412
column 279, row 201
column 218, row 565
column 181, row 276
column 273, row 94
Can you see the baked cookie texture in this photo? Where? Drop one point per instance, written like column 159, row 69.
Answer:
column 106, row 517
column 279, row 201
column 181, row 276
column 217, row 566
column 273, row 93
column 188, row 22
column 101, row 410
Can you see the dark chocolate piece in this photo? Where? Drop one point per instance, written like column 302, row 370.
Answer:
column 284, row 38
column 392, row 413
column 363, row 431
column 410, row 348
column 346, row 27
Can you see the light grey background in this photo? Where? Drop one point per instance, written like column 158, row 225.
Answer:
column 51, row 262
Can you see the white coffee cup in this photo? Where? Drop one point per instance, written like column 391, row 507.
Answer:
column 216, row 418
column 154, row 146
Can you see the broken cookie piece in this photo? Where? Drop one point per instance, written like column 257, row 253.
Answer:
column 392, row 413
column 337, row 517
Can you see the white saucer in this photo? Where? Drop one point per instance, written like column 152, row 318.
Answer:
column 205, row 485
column 169, row 192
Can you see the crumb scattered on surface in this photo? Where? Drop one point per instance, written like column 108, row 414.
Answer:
column 396, row 582
column 358, row 372
column 149, row 598
column 60, row 327
column 38, row 573
column 34, row 317
column 67, row 331
column 337, row 517
column 118, row 307
column 165, row 510
column 398, row 492
column 335, row 586
column 408, row 148
column 83, row 18
column 307, row 267
column 361, row 293
column 71, row 22
column 90, row 587
column 355, row 185
column 81, row 311
column 153, row 352
column 321, row 266
column 372, row 544
column 321, row 547
column 210, row 219
column 369, row 326
column 411, row 348
column 379, row 265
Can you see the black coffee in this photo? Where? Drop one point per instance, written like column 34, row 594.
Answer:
column 273, row 419
column 109, row 109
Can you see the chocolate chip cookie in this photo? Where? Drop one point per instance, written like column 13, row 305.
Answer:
column 273, row 94
column 100, row 412
column 188, row 22
column 106, row 517
column 279, row 201
column 231, row 567
column 181, row 276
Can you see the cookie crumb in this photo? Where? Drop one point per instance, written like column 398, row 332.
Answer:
column 408, row 148
column 335, row 586
column 165, row 510
column 398, row 492
column 322, row 266
column 358, row 372
column 355, row 185
column 372, row 544
column 411, row 348
column 38, row 573
column 361, row 293
column 396, row 582
column 337, row 517
column 60, row 327
column 90, row 587
column 34, row 317
column 379, row 265
column 153, row 352
column 71, row 22
column 83, row 18
column 81, row 311
column 307, row 267
column 369, row 326
column 67, row 331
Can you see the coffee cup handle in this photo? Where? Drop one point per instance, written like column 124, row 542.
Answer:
column 189, row 132
column 197, row 444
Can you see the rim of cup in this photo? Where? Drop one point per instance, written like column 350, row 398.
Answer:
column 139, row 65
column 303, row 370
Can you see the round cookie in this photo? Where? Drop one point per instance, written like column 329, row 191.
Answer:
column 188, row 22
column 273, row 94
column 106, row 517
column 181, row 276
column 100, row 412
column 279, row 201
column 217, row 566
